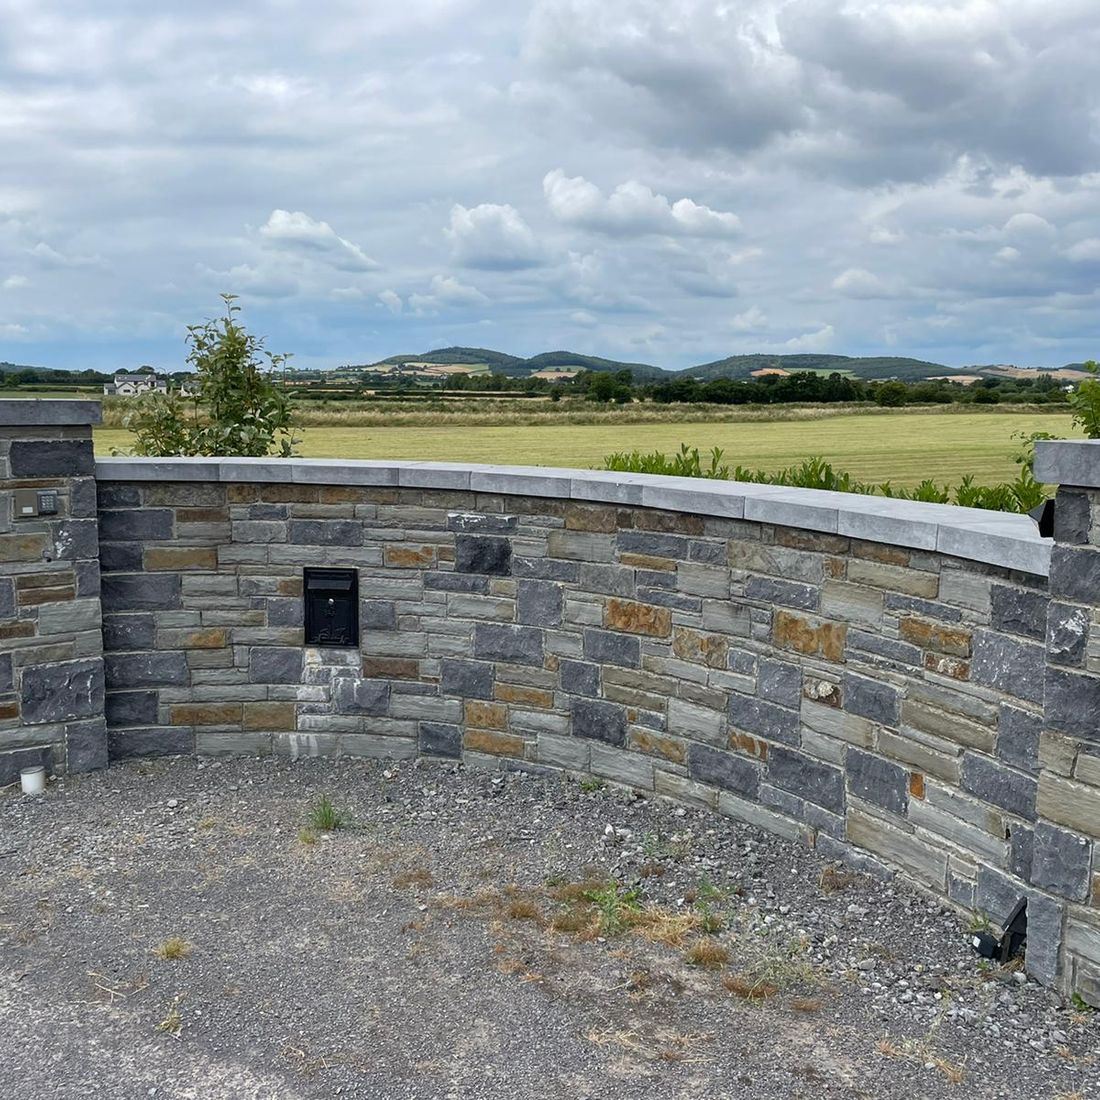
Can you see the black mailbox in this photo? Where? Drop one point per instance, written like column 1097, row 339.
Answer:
column 332, row 607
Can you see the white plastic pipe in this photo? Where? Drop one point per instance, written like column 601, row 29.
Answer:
column 33, row 780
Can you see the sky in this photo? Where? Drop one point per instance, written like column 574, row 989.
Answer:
column 662, row 181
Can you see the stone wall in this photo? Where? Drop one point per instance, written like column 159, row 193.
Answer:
column 881, row 701
column 51, row 645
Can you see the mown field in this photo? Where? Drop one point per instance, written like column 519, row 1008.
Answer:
column 904, row 446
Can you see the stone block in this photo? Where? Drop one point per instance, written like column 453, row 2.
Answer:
column 1019, row 610
column 275, row 665
column 7, row 598
column 473, row 584
column 1072, row 703
column 178, row 558
column 894, row 578
column 1008, row 665
column 522, row 645
column 76, row 539
column 153, row 741
column 141, row 592
column 466, row 679
column 272, row 716
column 836, row 723
column 870, row 699
column 325, row 532
column 875, row 780
column 1061, row 862
column 69, row 617
column 136, row 525
column 580, row 678
column 1018, row 733
column 7, row 680
column 770, row 590
column 206, row 714
column 799, row 774
column 86, row 746
column 1075, row 573
column 711, row 650
column 11, row 763
column 486, row 554
column 599, row 721
column 703, row 580
column 36, row 458
column 539, row 603
column 130, row 670
column 923, row 860
column 851, row 603
column 22, row 547
column 620, row 766
column 494, row 743
column 608, row 647
column 993, row 782
column 563, row 752
column 779, row 682
column 353, row 695
column 637, row 618
column 725, row 770
column 62, row 692
column 1045, row 922
column 484, row 715
column 1067, row 633
column 697, row 723
column 120, row 557
column 763, row 719
column 440, row 739
column 950, row 640
column 131, row 708
column 813, row 638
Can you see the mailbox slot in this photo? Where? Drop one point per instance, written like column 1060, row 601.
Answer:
column 332, row 607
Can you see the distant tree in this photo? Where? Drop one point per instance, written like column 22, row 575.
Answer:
column 238, row 410
column 891, row 395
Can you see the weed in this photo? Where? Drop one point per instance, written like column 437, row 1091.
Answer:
column 590, row 784
column 978, row 923
column 807, row 1005
column 175, row 947
column 748, row 988
column 172, row 1024
column 660, row 925
column 613, row 905
column 325, row 817
column 708, row 954
column 523, row 909
column 307, row 837
column 208, row 823
column 833, row 880
column 1080, row 1004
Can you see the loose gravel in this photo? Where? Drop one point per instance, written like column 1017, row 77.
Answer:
column 176, row 928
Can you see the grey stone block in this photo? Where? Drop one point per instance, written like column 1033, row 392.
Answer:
column 466, row 679
column 782, row 593
column 62, row 692
column 1068, row 462
column 1075, row 573
column 1067, row 633
column 779, row 682
column 110, row 495
column 480, row 523
column 611, row 580
column 456, row 582
column 75, row 539
column 1019, row 610
column 86, row 746
column 877, row 781
column 764, row 719
column 83, row 500
column 538, row 603
column 521, row 645
column 11, row 763
column 599, row 721
column 547, row 569
column 285, row 611
column 993, row 782
column 129, row 670
column 136, row 525
column 997, row 894
column 377, row 615
column 269, row 512
column 155, row 741
column 440, row 739
column 887, row 652
column 1045, row 922
column 580, row 678
column 325, row 532
column 7, row 681
column 129, row 632
column 87, row 579
column 1018, row 737
column 1008, row 665
column 1071, row 517
column 275, row 665
column 131, row 708
column 654, row 544
column 1061, row 862
column 49, row 412
column 51, row 458
column 610, row 648
column 353, row 695
column 488, row 554
column 7, row 598
column 141, row 592
column 120, row 557
column 1073, row 703
column 816, row 782
column 929, row 609
column 870, row 699
column 1021, row 850
column 724, row 770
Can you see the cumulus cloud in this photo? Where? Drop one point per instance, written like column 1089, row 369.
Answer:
column 1085, row 252
column 818, row 340
column 857, row 282
column 492, row 236
column 297, row 232
column 632, row 209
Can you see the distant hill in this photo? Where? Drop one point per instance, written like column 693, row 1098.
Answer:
column 865, row 367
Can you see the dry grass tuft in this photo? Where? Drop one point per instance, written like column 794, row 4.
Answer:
column 660, row 925
column 416, row 876
column 834, row 880
column 708, row 954
column 175, row 947
column 749, row 989
column 808, row 1005
column 523, row 909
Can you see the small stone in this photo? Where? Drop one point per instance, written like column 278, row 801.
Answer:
column 173, row 803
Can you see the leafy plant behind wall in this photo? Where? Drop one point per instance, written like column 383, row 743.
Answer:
column 237, row 411
column 1085, row 402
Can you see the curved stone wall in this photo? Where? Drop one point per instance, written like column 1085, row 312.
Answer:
column 863, row 674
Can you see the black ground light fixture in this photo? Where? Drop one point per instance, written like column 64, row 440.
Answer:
column 1043, row 514
column 1012, row 940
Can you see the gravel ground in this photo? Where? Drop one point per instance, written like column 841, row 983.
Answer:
column 476, row 935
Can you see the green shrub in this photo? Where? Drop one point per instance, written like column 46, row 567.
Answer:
column 1085, row 402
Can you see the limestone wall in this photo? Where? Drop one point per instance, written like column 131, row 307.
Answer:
column 51, row 646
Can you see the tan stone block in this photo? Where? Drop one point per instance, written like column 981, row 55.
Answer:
column 34, row 597
column 45, row 578
column 811, row 637
column 9, row 710
column 945, row 724
column 655, row 744
column 748, row 746
column 648, row 561
column 877, row 551
column 22, row 547
column 947, row 666
column 22, row 629
column 895, row 578
column 269, row 716
column 289, row 494
column 177, row 558
column 391, row 668
column 525, row 696
column 593, row 517
column 493, row 743
column 1087, row 770
column 711, row 650
column 637, row 618
column 206, row 714
column 242, row 494
column 1068, row 803
column 907, row 750
column 410, row 557
column 929, row 635
column 340, row 494
column 202, row 515
column 669, row 523
column 290, row 586
column 492, row 716
column 1057, row 752
column 210, row 638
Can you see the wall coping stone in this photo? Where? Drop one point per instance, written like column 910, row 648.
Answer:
column 1068, row 462
column 994, row 538
column 32, row 412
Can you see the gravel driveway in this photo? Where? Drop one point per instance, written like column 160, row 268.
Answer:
column 183, row 929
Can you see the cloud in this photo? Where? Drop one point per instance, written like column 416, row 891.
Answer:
column 857, row 282
column 631, row 209
column 1085, row 252
column 752, row 319
column 391, row 300
column 818, row 340
column 492, row 236
column 297, row 232
column 445, row 291
column 14, row 282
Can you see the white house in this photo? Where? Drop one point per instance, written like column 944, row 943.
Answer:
column 132, row 385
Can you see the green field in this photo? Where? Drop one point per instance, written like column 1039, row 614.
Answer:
column 901, row 447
